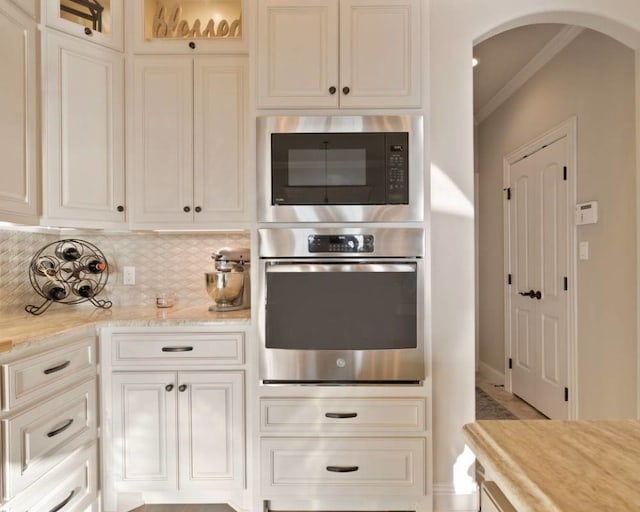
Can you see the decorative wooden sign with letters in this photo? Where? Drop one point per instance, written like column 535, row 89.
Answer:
column 171, row 25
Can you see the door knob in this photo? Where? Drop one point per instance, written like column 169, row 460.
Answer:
column 531, row 294
column 538, row 295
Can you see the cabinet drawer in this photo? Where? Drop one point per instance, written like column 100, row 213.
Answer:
column 342, row 414
column 38, row 439
column 342, row 467
column 34, row 377
column 154, row 349
column 73, row 484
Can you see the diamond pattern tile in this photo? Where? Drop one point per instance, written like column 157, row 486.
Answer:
column 169, row 262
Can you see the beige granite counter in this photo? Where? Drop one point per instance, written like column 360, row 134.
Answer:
column 561, row 466
column 21, row 328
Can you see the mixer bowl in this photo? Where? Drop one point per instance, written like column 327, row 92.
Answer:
column 225, row 288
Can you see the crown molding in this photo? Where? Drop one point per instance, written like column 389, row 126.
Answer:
column 548, row 52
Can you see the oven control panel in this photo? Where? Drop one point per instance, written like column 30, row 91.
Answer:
column 341, row 243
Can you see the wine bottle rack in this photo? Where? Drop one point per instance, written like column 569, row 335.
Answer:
column 68, row 271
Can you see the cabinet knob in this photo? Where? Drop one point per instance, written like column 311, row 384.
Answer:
column 198, row 209
column 182, row 388
column 192, row 45
column 346, row 90
column 120, row 208
column 169, row 387
column 186, row 209
column 88, row 31
column 332, row 90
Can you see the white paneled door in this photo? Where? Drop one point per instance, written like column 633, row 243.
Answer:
column 539, row 263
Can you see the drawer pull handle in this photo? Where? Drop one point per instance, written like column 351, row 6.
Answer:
column 63, row 503
column 55, row 369
column 342, row 469
column 61, row 429
column 341, row 415
column 177, row 349
column 182, row 388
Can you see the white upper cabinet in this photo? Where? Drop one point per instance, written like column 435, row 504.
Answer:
column 18, row 123
column 99, row 21
column 376, row 63
column 84, row 133
column 187, row 26
column 188, row 137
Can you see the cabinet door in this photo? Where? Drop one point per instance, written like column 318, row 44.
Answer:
column 162, row 140
column 211, row 430
column 18, row 129
column 220, row 178
column 99, row 22
column 298, row 53
column 190, row 27
column 144, row 431
column 380, row 53
column 84, row 141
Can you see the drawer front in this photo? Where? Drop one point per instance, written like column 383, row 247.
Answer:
column 153, row 349
column 342, row 415
column 31, row 378
column 297, row 467
column 71, row 487
column 40, row 438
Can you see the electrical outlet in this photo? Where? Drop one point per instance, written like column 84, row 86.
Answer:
column 129, row 275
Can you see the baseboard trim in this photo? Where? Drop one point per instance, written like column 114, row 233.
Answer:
column 491, row 374
column 445, row 499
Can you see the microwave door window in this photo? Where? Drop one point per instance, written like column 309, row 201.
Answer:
column 327, row 169
column 341, row 310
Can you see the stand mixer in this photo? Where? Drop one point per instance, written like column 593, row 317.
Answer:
column 229, row 285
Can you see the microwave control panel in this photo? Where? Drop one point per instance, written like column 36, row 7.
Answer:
column 341, row 243
column 397, row 168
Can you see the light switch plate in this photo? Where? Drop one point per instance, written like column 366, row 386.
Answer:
column 584, row 250
column 587, row 213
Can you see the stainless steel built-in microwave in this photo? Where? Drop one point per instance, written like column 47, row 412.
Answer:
column 340, row 168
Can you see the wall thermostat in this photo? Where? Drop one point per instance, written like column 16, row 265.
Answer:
column 587, row 213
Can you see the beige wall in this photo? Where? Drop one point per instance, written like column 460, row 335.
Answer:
column 593, row 79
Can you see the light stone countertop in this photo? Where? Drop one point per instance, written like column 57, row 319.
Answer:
column 19, row 328
column 561, row 466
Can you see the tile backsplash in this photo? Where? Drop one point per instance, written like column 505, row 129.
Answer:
column 170, row 262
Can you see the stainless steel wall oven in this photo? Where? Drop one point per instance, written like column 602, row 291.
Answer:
column 340, row 168
column 341, row 305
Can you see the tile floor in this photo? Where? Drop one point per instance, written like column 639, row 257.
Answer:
column 515, row 405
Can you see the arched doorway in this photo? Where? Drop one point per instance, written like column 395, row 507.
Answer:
column 454, row 28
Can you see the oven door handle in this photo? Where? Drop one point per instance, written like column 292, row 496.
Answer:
column 341, row 267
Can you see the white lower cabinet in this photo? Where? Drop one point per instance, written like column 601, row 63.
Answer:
column 178, row 430
column 321, row 467
column 71, row 487
column 49, row 427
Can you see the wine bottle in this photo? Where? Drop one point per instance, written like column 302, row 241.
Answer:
column 68, row 251
column 93, row 265
column 54, row 290
column 84, row 289
column 45, row 266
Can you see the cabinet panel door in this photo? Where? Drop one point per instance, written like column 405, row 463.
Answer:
column 220, row 184
column 38, row 439
column 297, row 53
column 211, row 430
column 18, row 134
column 144, row 431
column 162, row 140
column 380, row 53
column 84, row 132
column 82, row 19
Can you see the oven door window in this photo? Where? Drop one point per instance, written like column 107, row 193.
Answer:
column 341, row 306
column 312, row 168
